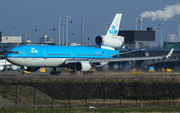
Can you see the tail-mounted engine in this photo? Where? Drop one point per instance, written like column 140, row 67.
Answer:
column 109, row 41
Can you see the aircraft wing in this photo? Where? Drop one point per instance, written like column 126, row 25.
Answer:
column 127, row 52
column 92, row 61
column 104, row 61
column 131, row 58
column 124, row 59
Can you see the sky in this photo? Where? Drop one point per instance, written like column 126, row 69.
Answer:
column 28, row 15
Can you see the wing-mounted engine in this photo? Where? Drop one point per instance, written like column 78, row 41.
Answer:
column 14, row 67
column 32, row 69
column 109, row 41
column 1, row 68
column 82, row 66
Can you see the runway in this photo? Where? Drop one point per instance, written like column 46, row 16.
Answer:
column 96, row 75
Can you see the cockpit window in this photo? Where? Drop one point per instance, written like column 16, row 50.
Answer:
column 15, row 52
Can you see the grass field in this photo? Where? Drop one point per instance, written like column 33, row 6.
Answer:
column 114, row 109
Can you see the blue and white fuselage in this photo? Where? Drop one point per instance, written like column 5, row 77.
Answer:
column 48, row 56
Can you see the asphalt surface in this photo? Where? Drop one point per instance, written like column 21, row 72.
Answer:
column 96, row 75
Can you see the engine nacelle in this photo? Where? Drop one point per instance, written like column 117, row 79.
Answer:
column 13, row 67
column 1, row 68
column 108, row 41
column 82, row 66
column 32, row 69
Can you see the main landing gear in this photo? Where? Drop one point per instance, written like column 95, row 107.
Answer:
column 72, row 72
column 84, row 73
column 22, row 71
column 54, row 72
column 88, row 73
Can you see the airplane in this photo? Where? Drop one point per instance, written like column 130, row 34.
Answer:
column 77, row 58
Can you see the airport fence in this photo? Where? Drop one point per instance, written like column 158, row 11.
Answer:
column 89, row 92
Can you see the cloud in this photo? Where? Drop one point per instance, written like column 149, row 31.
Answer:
column 168, row 12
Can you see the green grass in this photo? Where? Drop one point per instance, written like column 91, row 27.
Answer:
column 99, row 109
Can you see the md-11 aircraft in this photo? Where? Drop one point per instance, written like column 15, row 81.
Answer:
column 78, row 58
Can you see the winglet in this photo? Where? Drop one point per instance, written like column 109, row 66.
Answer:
column 170, row 53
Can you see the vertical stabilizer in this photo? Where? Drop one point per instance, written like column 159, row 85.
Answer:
column 114, row 28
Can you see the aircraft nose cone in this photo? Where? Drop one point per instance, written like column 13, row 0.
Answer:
column 7, row 57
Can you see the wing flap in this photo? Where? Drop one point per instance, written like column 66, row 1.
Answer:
column 124, row 59
column 69, row 61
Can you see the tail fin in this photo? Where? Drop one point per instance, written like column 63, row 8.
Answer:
column 114, row 28
column 170, row 53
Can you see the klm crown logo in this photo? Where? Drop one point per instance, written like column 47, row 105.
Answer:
column 113, row 27
column 33, row 50
column 112, row 30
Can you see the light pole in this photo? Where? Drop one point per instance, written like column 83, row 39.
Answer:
column 86, row 35
column 54, row 32
column 13, row 31
column 161, row 32
column 67, row 17
column 178, row 30
column 120, row 27
column 159, row 41
column 106, row 25
column 136, row 23
column 59, row 30
column 63, row 33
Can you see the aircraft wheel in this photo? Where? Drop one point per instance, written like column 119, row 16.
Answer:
column 23, row 73
column 58, row 73
column 91, row 72
column 85, row 73
column 51, row 73
column 72, row 72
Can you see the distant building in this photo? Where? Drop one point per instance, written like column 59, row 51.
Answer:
column 138, row 36
column 11, row 39
column 171, row 38
column 74, row 44
column 46, row 39
column 0, row 34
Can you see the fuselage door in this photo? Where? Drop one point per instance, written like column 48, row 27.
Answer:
column 72, row 54
column 105, row 54
column 24, row 54
column 45, row 54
